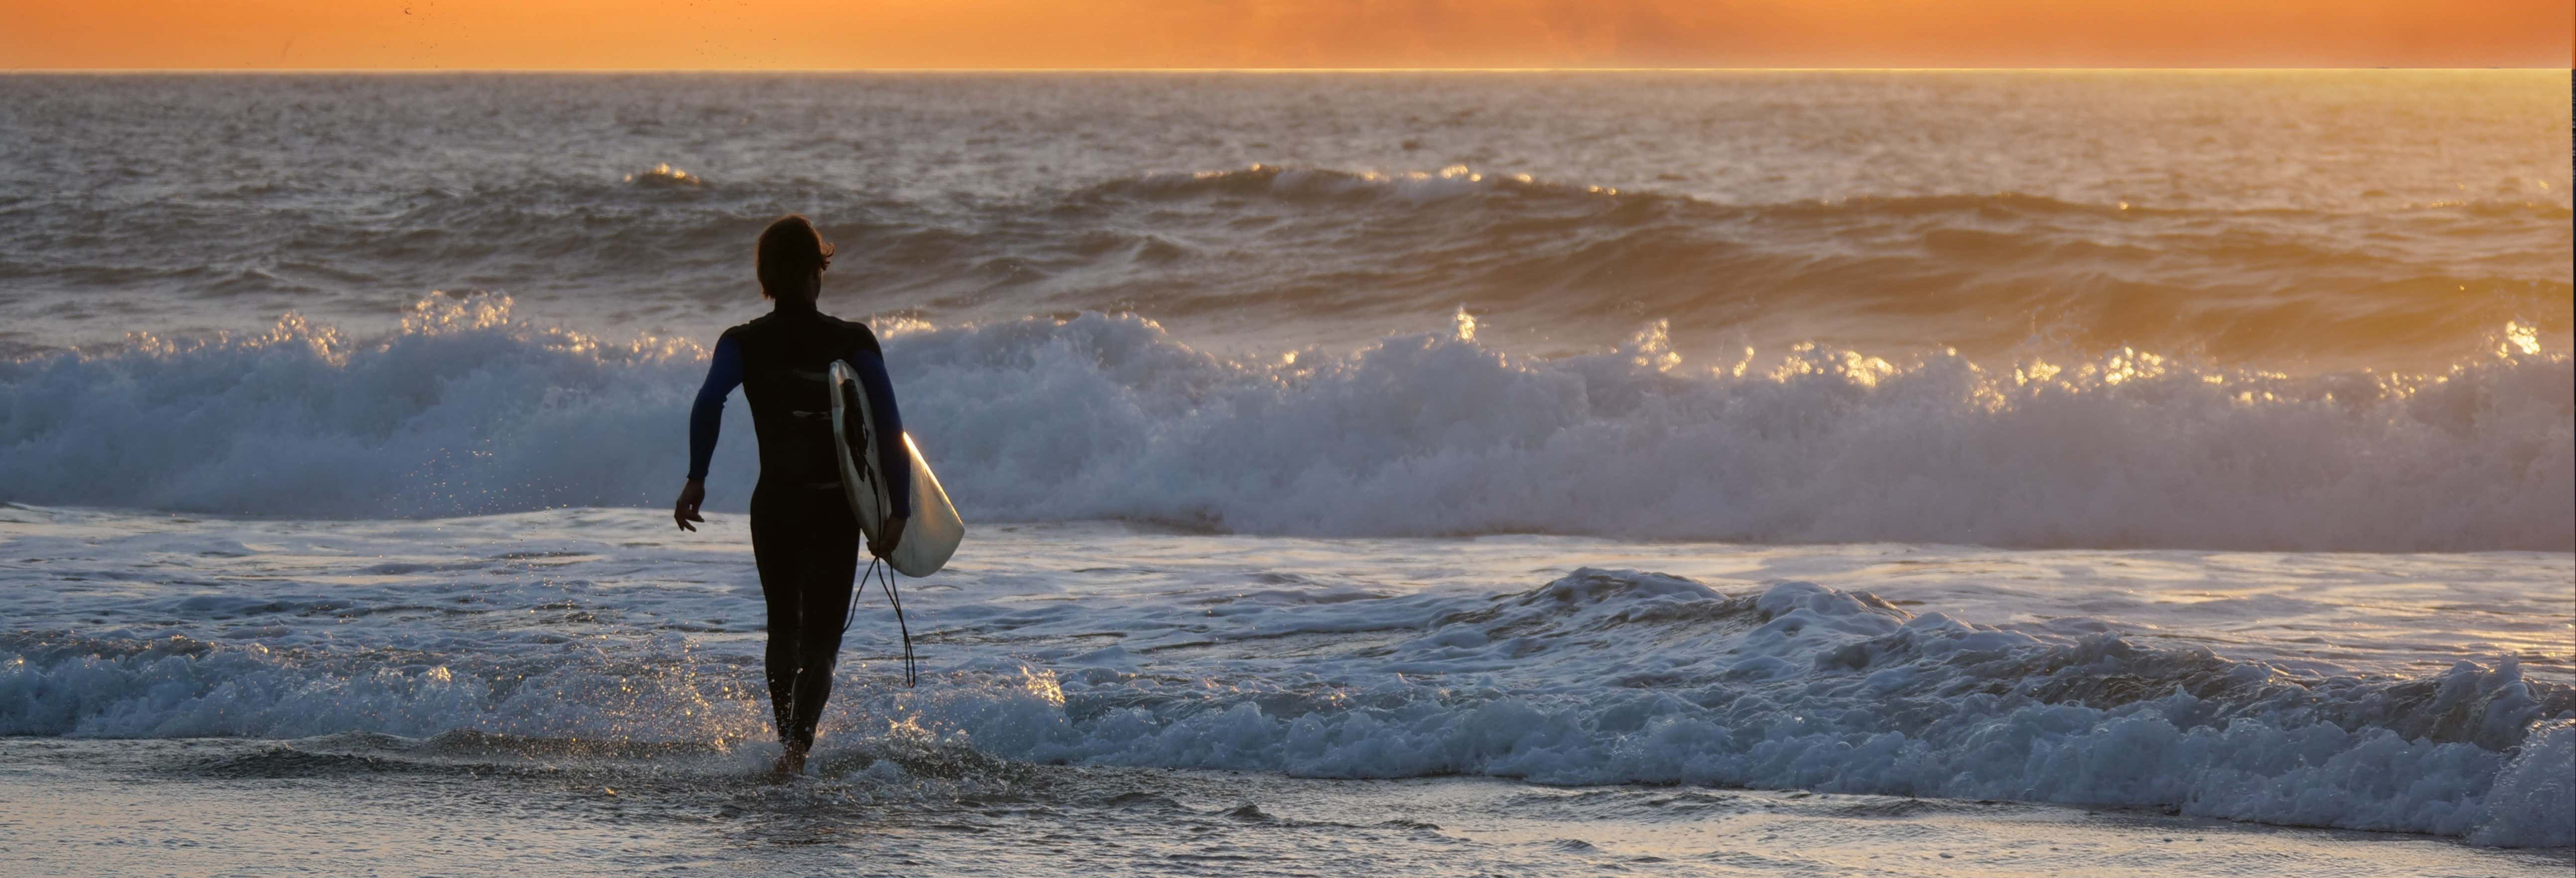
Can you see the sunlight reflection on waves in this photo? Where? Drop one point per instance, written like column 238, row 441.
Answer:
column 466, row 410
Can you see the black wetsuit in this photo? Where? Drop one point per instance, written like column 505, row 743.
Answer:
column 804, row 538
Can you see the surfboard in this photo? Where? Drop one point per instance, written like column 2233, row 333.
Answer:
column 934, row 531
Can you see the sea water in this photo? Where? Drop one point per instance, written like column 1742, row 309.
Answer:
column 1690, row 473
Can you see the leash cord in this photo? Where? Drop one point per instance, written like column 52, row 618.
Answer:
column 883, row 574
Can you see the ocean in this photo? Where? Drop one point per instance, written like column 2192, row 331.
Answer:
column 1428, row 474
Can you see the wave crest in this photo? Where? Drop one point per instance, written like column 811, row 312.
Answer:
column 465, row 411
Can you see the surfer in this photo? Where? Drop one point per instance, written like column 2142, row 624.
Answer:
column 804, row 538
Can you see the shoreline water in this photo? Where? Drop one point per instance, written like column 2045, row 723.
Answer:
column 2274, row 687
column 347, row 805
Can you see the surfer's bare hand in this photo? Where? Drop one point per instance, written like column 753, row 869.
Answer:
column 887, row 537
column 686, row 509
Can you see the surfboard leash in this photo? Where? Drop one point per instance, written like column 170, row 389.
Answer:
column 911, row 666
column 883, row 573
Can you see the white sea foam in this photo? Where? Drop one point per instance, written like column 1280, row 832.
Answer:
column 465, row 411
column 2533, row 798
column 1602, row 676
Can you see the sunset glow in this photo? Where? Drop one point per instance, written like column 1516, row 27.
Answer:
column 813, row 34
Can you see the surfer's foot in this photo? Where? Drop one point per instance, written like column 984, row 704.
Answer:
column 789, row 765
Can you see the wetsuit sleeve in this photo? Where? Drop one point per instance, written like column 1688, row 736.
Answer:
column 706, row 417
column 872, row 378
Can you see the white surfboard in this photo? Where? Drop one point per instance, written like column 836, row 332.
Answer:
column 934, row 531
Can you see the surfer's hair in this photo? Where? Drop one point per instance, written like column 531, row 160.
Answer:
column 790, row 252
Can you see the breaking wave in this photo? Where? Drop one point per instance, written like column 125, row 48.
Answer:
column 1597, row 678
column 465, row 411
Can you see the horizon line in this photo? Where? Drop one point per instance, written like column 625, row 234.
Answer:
column 1260, row 70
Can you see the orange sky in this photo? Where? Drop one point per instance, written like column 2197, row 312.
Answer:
column 748, row 34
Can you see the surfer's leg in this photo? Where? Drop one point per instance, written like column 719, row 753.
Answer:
column 829, row 555
column 772, row 552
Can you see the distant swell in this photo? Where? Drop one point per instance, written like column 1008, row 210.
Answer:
column 1977, row 272
column 1331, row 254
column 466, row 411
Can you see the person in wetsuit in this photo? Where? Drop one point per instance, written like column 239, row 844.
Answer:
column 804, row 538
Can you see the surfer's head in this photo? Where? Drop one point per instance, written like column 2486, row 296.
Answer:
column 790, row 259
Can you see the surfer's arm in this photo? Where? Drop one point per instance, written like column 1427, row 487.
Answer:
column 889, row 423
column 706, row 417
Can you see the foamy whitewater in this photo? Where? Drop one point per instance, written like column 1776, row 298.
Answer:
column 1373, row 474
